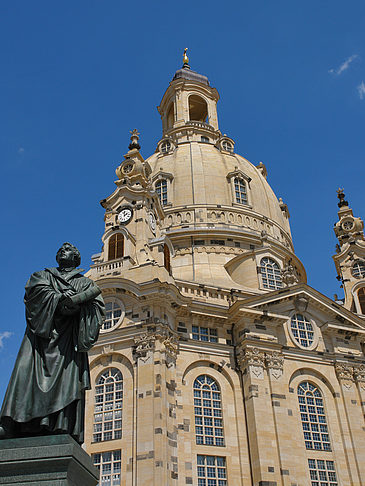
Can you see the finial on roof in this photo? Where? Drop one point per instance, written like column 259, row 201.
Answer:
column 341, row 197
column 134, row 140
column 186, row 59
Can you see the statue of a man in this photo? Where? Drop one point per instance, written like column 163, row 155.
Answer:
column 46, row 392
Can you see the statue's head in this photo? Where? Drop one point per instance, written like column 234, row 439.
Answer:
column 68, row 256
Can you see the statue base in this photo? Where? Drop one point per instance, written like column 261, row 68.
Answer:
column 53, row 460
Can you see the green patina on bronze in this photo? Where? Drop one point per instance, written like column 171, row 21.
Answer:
column 46, row 392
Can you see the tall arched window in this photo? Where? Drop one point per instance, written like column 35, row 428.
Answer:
column 170, row 116
column 108, row 406
column 208, row 412
column 240, row 190
column 198, row 110
column 313, row 417
column 270, row 274
column 161, row 189
column 361, row 296
column 116, row 246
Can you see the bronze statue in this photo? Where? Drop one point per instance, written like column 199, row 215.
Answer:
column 46, row 392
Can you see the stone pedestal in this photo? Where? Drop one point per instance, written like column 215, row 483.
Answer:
column 55, row 460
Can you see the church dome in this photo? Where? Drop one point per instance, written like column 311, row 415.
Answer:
column 221, row 214
column 203, row 175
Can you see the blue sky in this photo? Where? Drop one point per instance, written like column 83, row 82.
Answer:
column 78, row 75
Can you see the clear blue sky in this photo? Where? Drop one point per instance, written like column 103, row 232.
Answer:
column 76, row 76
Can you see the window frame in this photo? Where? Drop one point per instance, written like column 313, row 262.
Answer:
column 310, row 412
column 160, row 192
column 102, row 407
column 361, row 267
column 208, row 417
column 99, row 464
column 240, row 190
column 121, row 253
column 212, row 334
column 238, row 174
column 314, row 327
column 260, row 266
column 209, row 464
column 163, row 176
column 113, row 299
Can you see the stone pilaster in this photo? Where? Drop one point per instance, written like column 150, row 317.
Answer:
column 156, row 456
column 260, row 418
column 353, row 434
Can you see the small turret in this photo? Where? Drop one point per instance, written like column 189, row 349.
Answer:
column 134, row 170
column 350, row 256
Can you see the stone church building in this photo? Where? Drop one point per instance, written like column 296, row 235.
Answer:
column 217, row 364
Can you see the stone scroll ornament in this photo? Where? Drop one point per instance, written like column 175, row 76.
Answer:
column 64, row 313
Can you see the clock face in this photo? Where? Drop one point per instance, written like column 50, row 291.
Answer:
column 152, row 221
column 125, row 215
column 347, row 225
column 128, row 168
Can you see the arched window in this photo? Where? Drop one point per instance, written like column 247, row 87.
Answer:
column 166, row 258
column 270, row 273
column 116, row 246
column 114, row 312
column 108, row 406
column 161, row 189
column 358, row 269
column 361, row 296
column 240, row 190
column 204, row 139
column 313, row 417
column 198, row 110
column 170, row 116
column 208, row 412
column 165, row 147
column 302, row 330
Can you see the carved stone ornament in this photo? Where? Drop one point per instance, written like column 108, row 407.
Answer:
column 157, row 338
column 253, row 360
column 108, row 349
column 144, row 345
column 275, row 363
column 359, row 375
column 289, row 274
column 169, row 343
column 171, row 349
column 345, row 374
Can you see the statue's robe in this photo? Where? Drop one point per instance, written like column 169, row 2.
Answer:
column 46, row 392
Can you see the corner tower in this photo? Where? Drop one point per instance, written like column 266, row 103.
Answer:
column 350, row 256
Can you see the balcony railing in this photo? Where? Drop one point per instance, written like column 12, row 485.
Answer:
column 199, row 124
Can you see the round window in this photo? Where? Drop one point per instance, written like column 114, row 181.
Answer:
column 358, row 269
column 165, row 147
column 303, row 331
column 227, row 146
column 114, row 314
